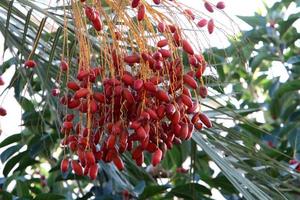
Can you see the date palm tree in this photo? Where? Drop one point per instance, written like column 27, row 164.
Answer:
column 252, row 157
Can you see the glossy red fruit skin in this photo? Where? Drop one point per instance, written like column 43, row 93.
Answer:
column 138, row 84
column 193, row 109
column 110, row 155
column 125, row 195
column 73, row 103
column 82, row 75
column 203, row 67
column 157, row 2
column 149, row 86
column 140, row 160
column 203, row 92
column 157, row 56
column 137, row 152
column 189, row 13
column 162, row 43
column 298, row 168
column 162, row 96
column 151, row 147
column 210, row 26
column 176, row 129
column 156, row 80
column 97, row 24
column 161, row 27
column 141, row 133
column 190, row 81
column 82, row 92
column 200, row 59
column 81, row 156
column 135, row 125
column 86, row 170
column 128, row 96
column 98, row 96
column 198, row 126
column 68, row 125
column 83, row 107
column 1, row 81
column 198, row 73
column 30, row 64
column 73, row 86
column 111, row 141
column 186, row 91
column 293, row 162
column 141, row 12
column 175, row 117
column 90, row 158
column 172, row 28
column 186, row 100
column 77, row 168
column 90, row 13
column 132, row 59
column 152, row 113
column 2, row 111
column 93, row 171
column 158, row 65
column 193, row 61
column 144, row 116
column 98, row 155
column 127, row 79
column 220, row 5
column 118, row 163
column 69, row 117
column 161, row 111
column 184, row 131
column 64, row 66
column 117, row 128
column 195, row 118
column 202, row 23
column 190, row 132
column 64, row 165
column 55, row 92
column 187, row 47
column 170, row 109
column 156, row 157
column 135, row 3
column 165, row 53
column 73, row 146
column 205, row 120
column 208, row 7
column 93, row 106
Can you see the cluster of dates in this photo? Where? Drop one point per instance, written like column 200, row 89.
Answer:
column 132, row 113
column 148, row 103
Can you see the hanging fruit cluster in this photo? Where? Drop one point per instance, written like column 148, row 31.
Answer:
column 141, row 98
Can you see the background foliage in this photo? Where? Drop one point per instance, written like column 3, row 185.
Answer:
column 253, row 156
